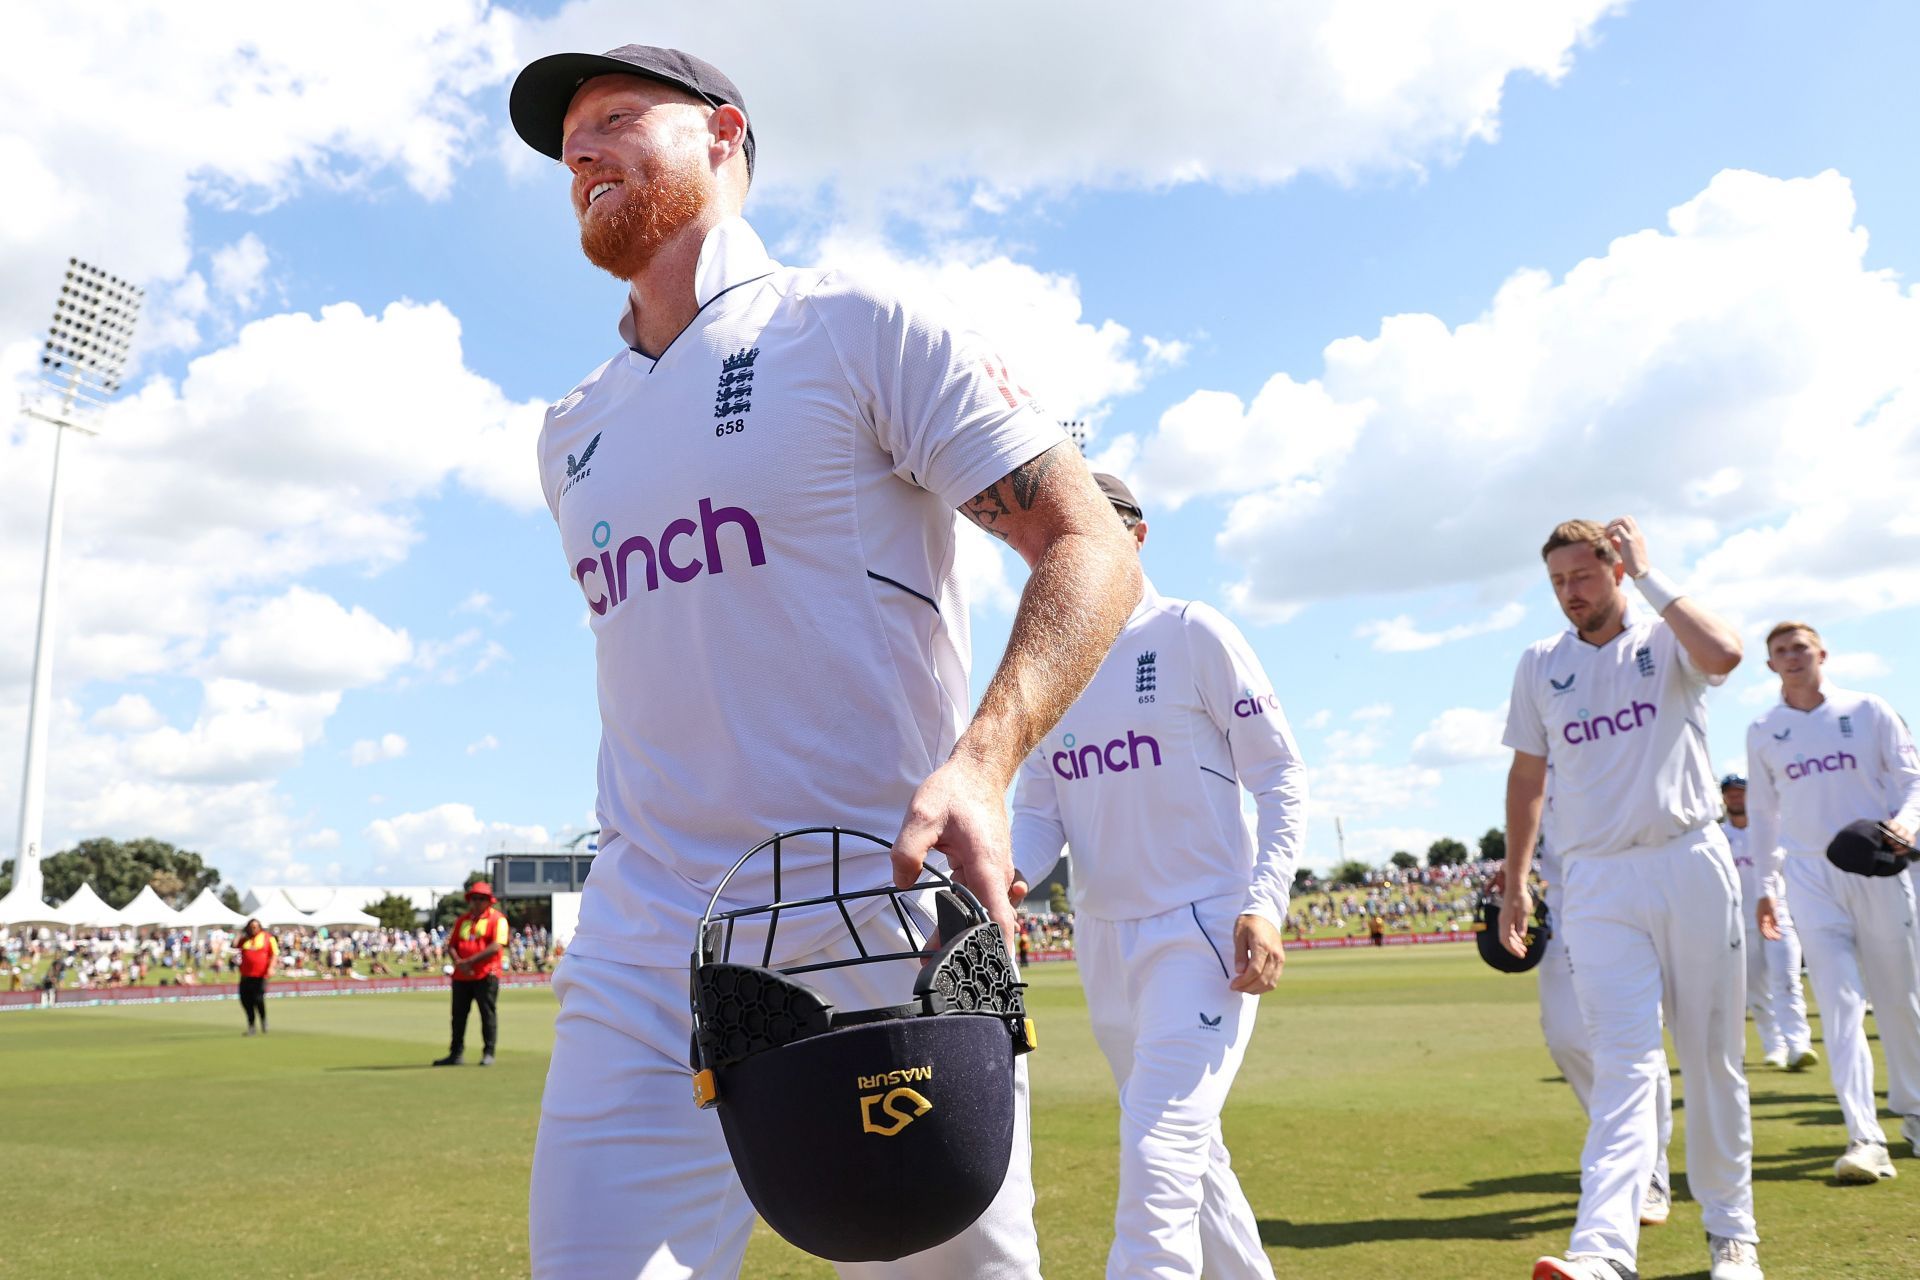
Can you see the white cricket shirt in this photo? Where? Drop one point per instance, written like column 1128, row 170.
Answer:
column 761, row 525
column 1810, row 773
column 1623, row 726
column 1142, row 776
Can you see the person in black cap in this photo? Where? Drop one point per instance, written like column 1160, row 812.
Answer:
column 1178, row 907
column 756, row 497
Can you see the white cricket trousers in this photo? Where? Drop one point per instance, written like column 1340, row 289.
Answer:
column 1774, row 994
column 1174, row 1033
column 1858, row 932
column 1652, row 927
column 1572, row 1051
column 630, row 1179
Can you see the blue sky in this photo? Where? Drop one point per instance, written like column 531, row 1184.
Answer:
column 1360, row 296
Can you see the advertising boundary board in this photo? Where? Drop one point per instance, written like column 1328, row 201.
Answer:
column 286, row 988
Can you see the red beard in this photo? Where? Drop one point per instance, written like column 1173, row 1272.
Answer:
column 655, row 203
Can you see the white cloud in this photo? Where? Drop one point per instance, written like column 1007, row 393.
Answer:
column 1072, row 366
column 1402, row 634
column 1358, row 790
column 225, row 102
column 1374, row 711
column 240, row 269
column 1859, row 665
column 1462, row 735
column 129, row 713
column 1750, row 334
column 486, row 742
column 305, row 641
column 243, row 733
column 460, row 658
column 1318, row 720
column 1332, row 86
column 445, row 834
column 388, row 746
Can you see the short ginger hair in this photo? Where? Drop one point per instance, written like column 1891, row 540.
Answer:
column 1788, row 628
column 1581, row 533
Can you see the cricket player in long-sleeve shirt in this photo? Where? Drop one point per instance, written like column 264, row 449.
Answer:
column 1822, row 758
column 1177, row 905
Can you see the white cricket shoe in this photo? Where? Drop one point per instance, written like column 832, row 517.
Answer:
column 1777, row 1059
column 1864, row 1162
column 1733, row 1259
column 1583, row 1266
column 1657, row 1204
column 1808, row 1057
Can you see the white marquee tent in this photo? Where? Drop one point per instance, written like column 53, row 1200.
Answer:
column 274, row 911
column 336, row 913
column 148, row 908
column 88, row 910
column 208, row 912
column 20, row 907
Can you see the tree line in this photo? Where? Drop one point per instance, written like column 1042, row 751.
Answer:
column 1444, row 852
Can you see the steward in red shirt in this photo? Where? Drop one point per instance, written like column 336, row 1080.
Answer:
column 258, row 950
column 478, row 940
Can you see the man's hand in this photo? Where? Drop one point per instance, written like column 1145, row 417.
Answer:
column 1901, row 837
column 961, row 810
column 1018, row 890
column 1627, row 539
column 1258, row 955
column 1516, row 911
column 1769, row 922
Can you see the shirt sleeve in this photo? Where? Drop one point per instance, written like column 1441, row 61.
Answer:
column 1763, row 809
column 500, row 931
column 1526, row 731
column 1266, row 759
column 1039, row 832
column 1900, row 764
column 936, row 394
column 1688, row 667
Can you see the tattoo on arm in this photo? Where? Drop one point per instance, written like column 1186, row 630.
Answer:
column 988, row 507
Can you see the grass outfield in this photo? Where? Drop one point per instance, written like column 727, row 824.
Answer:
column 1397, row 1115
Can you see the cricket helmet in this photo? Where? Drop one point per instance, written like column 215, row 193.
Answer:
column 1486, row 935
column 861, row 1135
column 1867, row 848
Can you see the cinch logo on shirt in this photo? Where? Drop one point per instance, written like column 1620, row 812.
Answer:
column 1833, row 762
column 1254, row 704
column 610, row 569
column 1095, row 759
column 1589, row 728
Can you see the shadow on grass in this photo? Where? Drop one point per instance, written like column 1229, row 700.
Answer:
column 1278, row 1233
column 387, row 1066
column 1558, row 1183
column 1800, row 1164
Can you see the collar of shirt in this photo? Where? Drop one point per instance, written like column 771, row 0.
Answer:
column 1148, row 599
column 731, row 254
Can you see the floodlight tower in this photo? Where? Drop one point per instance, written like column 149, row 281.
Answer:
column 81, row 364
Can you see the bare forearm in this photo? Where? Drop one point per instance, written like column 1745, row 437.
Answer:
column 1525, row 795
column 1713, row 645
column 1082, row 589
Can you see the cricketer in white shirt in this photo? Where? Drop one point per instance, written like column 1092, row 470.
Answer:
column 1616, row 708
column 756, row 503
column 1822, row 758
column 1774, row 994
column 1142, row 779
column 1565, row 1030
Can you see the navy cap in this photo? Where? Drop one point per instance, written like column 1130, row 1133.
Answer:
column 1118, row 494
column 1732, row 780
column 545, row 88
